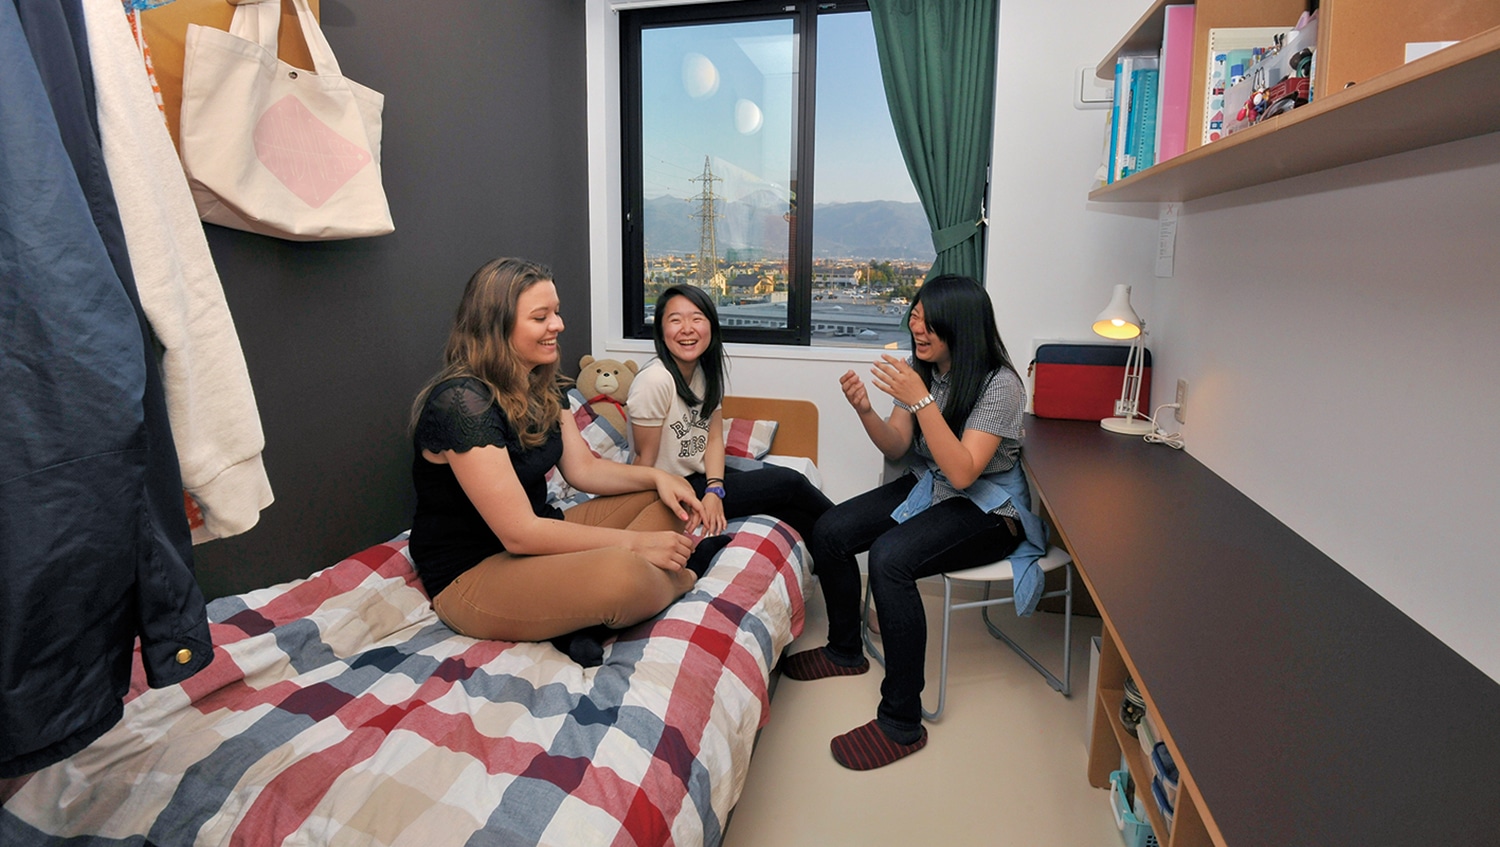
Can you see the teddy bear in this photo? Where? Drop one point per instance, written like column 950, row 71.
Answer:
column 605, row 385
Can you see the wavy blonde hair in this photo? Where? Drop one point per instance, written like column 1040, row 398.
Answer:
column 479, row 347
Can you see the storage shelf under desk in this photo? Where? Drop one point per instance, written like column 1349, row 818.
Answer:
column 1140, row 769
column 1188, row 829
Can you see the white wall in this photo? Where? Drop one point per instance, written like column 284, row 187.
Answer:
column 1054, row 258
column 1338, row 336
column 1335, row 330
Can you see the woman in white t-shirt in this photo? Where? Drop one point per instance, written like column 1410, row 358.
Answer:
column 677, row 422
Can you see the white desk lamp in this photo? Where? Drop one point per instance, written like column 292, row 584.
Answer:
column 1119, row 321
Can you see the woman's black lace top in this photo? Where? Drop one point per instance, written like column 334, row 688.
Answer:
column 448, row 535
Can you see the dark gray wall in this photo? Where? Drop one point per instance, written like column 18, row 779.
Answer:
column 483, row 156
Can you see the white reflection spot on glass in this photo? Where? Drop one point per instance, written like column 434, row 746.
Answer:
column 747, row 117
column 700, row 78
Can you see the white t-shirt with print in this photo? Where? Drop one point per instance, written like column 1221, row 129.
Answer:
column 653, row 401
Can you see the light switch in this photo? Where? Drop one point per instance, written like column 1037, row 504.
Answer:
column 1091, row 92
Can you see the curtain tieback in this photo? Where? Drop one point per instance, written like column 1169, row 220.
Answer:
column 951, row 236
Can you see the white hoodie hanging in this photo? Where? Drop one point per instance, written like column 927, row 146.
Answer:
column 278, row 150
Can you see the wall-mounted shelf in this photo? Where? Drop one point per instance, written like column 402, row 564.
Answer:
column 1448, row 95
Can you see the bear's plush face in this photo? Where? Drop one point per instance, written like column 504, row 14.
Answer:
column 609, row 377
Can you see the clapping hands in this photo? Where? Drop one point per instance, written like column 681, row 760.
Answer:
column 897, row 378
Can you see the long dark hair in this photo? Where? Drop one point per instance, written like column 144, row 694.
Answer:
column 958, row 311
column 479, row 347
column 713, row 362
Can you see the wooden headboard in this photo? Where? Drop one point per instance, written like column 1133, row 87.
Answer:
column 797, row 434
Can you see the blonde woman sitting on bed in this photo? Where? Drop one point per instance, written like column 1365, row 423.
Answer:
column 677, row 423
column 496, row 559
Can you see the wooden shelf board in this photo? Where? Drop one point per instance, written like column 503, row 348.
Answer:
column 1449, row 95
column 1144, row 37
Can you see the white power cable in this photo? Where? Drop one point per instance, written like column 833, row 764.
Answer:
column 1161, row 436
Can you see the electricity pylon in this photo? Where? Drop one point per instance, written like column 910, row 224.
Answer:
column 707, row 214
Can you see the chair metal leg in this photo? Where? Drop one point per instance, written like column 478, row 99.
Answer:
column 864, row 629
column 1067, row 689
column 1065, row 684
column 943, row 668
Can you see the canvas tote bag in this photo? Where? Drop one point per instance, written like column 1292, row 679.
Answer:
column 274, row 149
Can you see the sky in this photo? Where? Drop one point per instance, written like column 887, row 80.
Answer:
column 727, row 91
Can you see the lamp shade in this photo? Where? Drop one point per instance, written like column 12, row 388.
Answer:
column 1118, row 320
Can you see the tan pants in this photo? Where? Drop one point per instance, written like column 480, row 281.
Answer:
column 533, row 598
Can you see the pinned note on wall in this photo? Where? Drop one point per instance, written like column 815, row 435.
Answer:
column 1166, row 243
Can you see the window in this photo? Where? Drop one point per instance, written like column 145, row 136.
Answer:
column 760, row 165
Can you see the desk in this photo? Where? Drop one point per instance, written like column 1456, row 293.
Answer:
column 1302, row 707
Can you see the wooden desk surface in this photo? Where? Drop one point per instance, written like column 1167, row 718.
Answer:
column 1309, row 710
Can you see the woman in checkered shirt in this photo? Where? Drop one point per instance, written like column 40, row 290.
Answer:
column 957, row 410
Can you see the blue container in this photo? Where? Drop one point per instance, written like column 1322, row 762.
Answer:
column 1166, row 772
column 1160, row 796
column 1135, row 832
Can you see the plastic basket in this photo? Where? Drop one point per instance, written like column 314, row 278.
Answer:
column 1135, row 832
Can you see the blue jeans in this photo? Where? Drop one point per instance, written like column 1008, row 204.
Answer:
column 949, row 536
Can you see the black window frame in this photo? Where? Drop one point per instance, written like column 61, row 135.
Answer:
column 804, row 15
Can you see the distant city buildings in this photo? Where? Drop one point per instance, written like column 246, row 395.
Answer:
column 855, row 302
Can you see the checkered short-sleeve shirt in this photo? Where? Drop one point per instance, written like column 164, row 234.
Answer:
column 998, row 411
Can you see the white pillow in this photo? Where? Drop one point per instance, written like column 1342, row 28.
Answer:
column 748, row 439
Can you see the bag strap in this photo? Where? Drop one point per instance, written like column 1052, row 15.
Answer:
column 257, row 21
column 260, row 21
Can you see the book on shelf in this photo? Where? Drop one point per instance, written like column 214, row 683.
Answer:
column 1230, row 51
column 1176, row 82
column 1121, row 157
column 1117, row 120
column 1140, row 131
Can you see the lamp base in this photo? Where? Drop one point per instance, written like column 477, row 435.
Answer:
column 1128, row 426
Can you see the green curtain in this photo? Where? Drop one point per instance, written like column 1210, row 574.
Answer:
column 937, row 58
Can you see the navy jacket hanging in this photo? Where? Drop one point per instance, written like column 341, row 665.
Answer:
column 94, row 544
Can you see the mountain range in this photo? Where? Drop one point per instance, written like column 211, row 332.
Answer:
column 755, row 227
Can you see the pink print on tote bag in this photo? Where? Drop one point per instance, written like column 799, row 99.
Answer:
column 277, row 150
column 308, row 156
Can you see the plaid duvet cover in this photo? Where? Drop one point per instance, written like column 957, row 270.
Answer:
column 339, row 711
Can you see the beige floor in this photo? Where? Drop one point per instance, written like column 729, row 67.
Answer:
column 1005, row 765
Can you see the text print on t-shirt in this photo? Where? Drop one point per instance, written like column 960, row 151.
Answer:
column 693, row 444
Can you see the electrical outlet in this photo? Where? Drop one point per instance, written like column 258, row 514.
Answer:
column 1180, row 413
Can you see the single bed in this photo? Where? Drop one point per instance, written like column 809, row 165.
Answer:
column 339, row 711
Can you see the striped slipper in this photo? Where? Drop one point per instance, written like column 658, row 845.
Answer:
column 815, row 664
column 868, row 747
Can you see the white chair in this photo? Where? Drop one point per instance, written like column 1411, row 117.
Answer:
column 991, row 575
